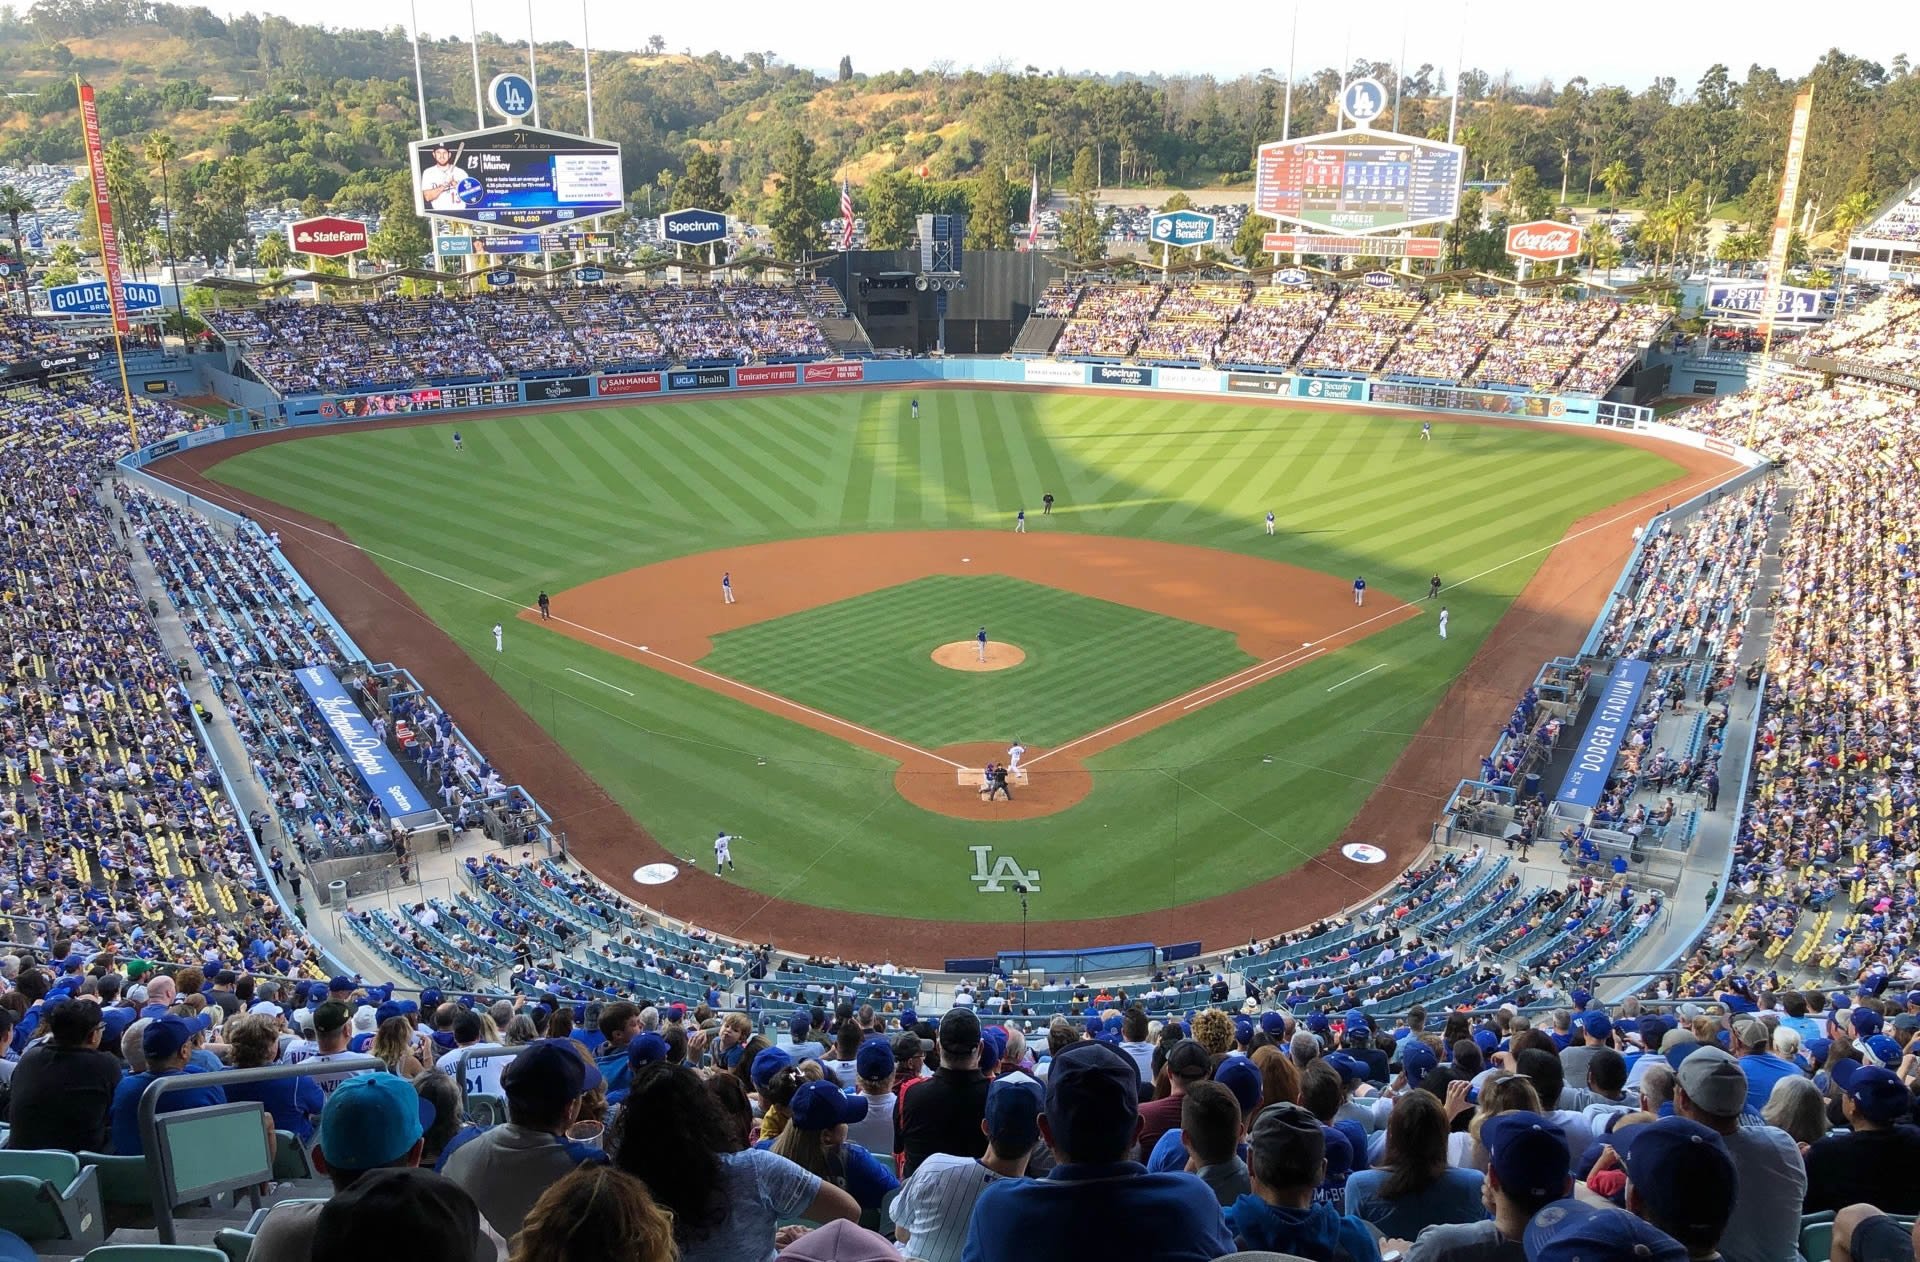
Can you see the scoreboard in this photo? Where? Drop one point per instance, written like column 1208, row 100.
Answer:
column 1358, row 182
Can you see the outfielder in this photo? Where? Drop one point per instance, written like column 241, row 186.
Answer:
column 981, row 640
column 1426, row 431
column 1020, row 522
column 916, row 409
column 1269, row 521
column 499, row 639
column 1443, row 622
column 722, row 852
column 457, row 444
column 1359, row 591
column 726, row 587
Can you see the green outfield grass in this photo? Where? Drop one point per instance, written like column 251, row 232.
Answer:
column 1238, row 792
column 1089, row 662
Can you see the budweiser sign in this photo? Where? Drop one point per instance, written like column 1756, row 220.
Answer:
column 1543, row 240
column 327, row 236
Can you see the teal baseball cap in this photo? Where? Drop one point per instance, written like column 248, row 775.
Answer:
column 371, row 1121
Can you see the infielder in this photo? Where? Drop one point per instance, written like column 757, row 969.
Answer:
column 1020, row 522
column 1443, row 622
column 726, row 587
column 1015, row 752
column 722, row 852
column 1359, row 591
column 1269, row 521
column 499, row 639
column 981, row 640
column 1426, row 431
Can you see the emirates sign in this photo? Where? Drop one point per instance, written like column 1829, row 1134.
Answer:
column 327, row 236
column 1543, row 240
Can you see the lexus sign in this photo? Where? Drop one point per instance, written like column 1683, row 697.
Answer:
column 327, row 236
column 1544, row 240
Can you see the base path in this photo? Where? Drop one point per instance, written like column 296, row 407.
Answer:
column 965, row 655
column 1550, row 616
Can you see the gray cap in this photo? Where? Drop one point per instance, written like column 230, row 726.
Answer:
column 1714, row 1081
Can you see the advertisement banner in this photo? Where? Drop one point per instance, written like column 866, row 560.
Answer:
column 1206, row 379
column 616, row 383
column 820, row 374
column 1326, row 388
column 1184, row 229
column 516, row 177
column 89, row 297
column 327, row 236
column 359, row 744
column 102, row 206
column 501, row 277
column 1051, row 373
column 1544, row 240
column 556, row 388
column 453, row 246
column 1121, row 375
column 700, row 379
column 50, row 366
column 1362, row 247
column 1789, row 200
column 1255, row 383
column 589, row 275
column 1744, row 297
column 693, row 226
column 767, row 375
column 1606, row 732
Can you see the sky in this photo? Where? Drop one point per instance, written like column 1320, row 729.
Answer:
column 1611, row 41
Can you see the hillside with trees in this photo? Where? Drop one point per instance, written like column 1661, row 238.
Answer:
column 255, row 110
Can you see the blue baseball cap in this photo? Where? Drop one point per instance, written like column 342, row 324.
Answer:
column 1243, row 1030
column 1417, row 1061
column 1581, row 998
column 371, row 1120
column 1683, row 1173
column 798, row 1025
column 1816, row 1050
column 387, row 1011
column 1877, row 1093
column 1597, row 1026
column 550, row 1069
column 648, row 1049
column 1527, row 1153
column 1241, row 1076
column 1274, row 1023
column 1093, row 1099
column 768, row 1063
column 874, row 1060
column 341, row 984
column 1486, row 1039
column 820, row 1105
column 1351, row 1068
column 993, row 1042
column 1885, row 1048
column 1318, row 1022
column 1013, row 1111
column 431, row 999
column 1356, row 1022
column 1866, row 1023
column 165, row 1036
column 1574, row 1231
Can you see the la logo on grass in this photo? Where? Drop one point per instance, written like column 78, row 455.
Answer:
column 1005, row 874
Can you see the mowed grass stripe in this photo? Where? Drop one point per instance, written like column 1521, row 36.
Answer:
column 757, row 467
column 727, row 493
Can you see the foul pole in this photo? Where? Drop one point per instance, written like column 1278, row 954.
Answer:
column 586, row 62
column 109, row 242
column 533, row 71
column 419, row 79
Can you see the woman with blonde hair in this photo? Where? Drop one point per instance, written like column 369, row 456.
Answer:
column 1797, row 1107
column 292, row 1103
column 594, row 1214
column 393, row 1043
column 1505, row 1093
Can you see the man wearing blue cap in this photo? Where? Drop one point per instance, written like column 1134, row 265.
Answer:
column 1590, row 1032
column 1096, row 1203
column 1681, row 1179
column 1287, row 1163
column 166, row 1042
column 933, row 1208
column 1528, row 1169
column 1876, row 1160
column 507, row 1168
column 372, row 1122
column 1574, row 1231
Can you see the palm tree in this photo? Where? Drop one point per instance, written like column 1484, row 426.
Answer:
column 1854, row 209
column 1614, row 178
column 13, row 204
column 160, row 149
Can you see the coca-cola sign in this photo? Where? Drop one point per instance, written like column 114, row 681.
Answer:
column 1543, row 240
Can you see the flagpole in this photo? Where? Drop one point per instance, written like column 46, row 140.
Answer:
column 419, row 79
column 586, row 58
column 1293, row 44
column 533, row 71
column 1400, row 71
column 473, row 39
column 1459, row 63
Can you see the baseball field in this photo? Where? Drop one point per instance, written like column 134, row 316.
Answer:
column 1203, row 705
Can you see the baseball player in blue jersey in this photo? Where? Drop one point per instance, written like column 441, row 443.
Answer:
column 726, row 587
column 1020, row 522
column 1269, row 521
column 981, row 640
column 1426, row 431
column 916, row 409
column 1359, row 591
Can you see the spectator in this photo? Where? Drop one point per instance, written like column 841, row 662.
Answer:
column 506, row 1168
column 816, row 1141
column 1287, row 1160
column 332, row 1031
column 1711, row 1089
column 1211, row 1126
column 874, row 1082
column 1095, row 1202
column 1575, row 1231
column 63, row 1088
column 1528, row 1169
column 1680, row 1179
column 725, row 1202
column 449, row 1127
column 373, row 1122
column 1753, row 1044
column 1861, row 1233
column 292, row 1104
column 1797, row 1107
column 1187, row 1063
column 481, row 1073
column 595, row 1214
column 934, row 1206
column 1874, row 1162
column 438, row 1221
column 394, row 1043
column 1414, row 1188
column 166, row 1043
column 943, row 1113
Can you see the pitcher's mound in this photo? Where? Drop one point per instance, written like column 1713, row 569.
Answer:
column 965, row 655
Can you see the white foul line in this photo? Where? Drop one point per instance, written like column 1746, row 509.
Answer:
column 1362, row 675
column 603, row 683
column 1278, row 665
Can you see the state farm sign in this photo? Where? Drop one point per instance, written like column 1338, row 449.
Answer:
column 1543, row 240
column 327, row 236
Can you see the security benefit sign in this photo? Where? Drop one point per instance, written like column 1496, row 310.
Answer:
column 1604, row 736
column 1183, row 228
column 359, row 744
column 516, row 177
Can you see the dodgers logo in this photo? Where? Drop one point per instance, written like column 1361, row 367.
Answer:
column 1005, row 874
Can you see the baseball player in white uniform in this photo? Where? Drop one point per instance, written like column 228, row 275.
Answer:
column 1443, row 622
column 1015, row 752
column 499, row 639
column 722, row 852
column 1269, row 521
column 726, row 587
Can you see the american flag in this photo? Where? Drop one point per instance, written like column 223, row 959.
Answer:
column 1033, row 210
column 846, row 215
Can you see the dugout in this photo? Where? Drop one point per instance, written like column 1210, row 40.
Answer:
column 1002, row 287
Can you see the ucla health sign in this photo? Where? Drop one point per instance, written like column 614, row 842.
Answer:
column 90, row 298
column 693, row 226
column 1183, row 228
column 359, row 744
column 1606, row 733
